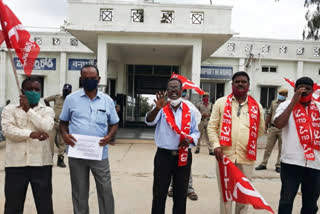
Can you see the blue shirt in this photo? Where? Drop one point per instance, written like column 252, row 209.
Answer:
column 165, row 137
column 89, row 117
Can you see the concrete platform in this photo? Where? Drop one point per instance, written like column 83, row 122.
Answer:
column 131, row 164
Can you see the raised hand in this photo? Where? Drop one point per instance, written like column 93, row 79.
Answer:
column 160, row 101
column 297, row 94
column 24, row 103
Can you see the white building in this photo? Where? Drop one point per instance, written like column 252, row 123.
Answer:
column 138, row 45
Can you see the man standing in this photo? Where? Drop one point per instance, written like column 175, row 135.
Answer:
column 90, row 112
column 300, row 158
column 56, row 135
column 205, row 109
column 235, row 124
column 274, row 134
column 28, row 154
column 176, row 132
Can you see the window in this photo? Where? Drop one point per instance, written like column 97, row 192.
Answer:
column 106, row 15
column 137, row 15
column 231, row 46
column 272, row 69
column 73, row 42
column 316, row 52
column 167, row 16
column 38, row 40
column 267, row 95
column 197, row 17
column 55, row 41
column 300, row 51
column 215, row 90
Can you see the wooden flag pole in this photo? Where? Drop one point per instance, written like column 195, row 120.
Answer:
column 14, row 71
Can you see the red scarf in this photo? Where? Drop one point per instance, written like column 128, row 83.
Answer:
column 254, row 117
column 185, row 129
column 308, row 128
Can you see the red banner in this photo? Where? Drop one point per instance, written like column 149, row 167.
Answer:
column 1, row 37
column 236, row 187
column 187, row 84
column 18, row 38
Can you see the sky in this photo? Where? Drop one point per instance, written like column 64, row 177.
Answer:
column 282, row 19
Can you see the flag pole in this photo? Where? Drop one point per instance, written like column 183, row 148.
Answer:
column 14, row 71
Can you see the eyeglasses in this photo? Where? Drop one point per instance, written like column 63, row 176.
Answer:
column 173, row 88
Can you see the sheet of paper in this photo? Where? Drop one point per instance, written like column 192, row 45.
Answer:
column 86, row 147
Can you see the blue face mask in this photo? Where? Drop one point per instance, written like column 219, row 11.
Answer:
column 281, row 98
column 90, row 85
column 184, row 94
column 33, row 97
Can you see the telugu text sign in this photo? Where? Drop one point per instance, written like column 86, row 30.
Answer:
column 216, row 72
column 48, row 64
column 76, row 64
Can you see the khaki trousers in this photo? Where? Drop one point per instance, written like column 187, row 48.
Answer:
column 274, row 135
column 204, row 135
column 226, row 207
column 56, row 138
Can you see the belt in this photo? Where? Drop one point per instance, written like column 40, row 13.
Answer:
column 170, row 152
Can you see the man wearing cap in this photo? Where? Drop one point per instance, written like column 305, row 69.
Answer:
column 300, row 157
column 274, row 134
column 205, row 110
column 55, row 136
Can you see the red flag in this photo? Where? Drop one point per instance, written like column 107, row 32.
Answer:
column 316, row 89
column 187, row 84
column 17, row 37
column 1, row 37
column 236, row 187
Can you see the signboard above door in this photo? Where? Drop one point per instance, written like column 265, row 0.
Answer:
column 216, row 72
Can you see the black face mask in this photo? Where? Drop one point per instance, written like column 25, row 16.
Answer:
column 90, row 85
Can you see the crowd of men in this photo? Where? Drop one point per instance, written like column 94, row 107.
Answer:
column 230, row 127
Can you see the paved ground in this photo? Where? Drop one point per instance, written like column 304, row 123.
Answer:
column 132, row 166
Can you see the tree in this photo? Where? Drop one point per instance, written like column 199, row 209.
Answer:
column 311, row 30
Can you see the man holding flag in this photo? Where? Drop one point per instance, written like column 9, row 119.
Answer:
column 299, row 119
column 176, row 132
column 235, row 124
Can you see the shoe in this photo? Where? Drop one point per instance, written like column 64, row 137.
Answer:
column 60, row 162
column 170, row 193
column 278, row 169
column 211, row 153
column 197, row 151
column 193, row 196
column 260, row 167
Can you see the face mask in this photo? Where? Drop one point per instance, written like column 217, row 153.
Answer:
column 305, row 99
column 65, row 93
column 238, row 93
column 176, row 102
column 32, row 96
column 281, row 98
column 89, row 85
column 205, row 100
column 184, row 94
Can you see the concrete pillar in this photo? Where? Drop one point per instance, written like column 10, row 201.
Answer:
column 196, row 69
column 3, row 72
column 299, row 69
column 102, row 60
column 63, row 70
column 121, row 78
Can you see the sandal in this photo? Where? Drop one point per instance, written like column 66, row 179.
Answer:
column 193, row 196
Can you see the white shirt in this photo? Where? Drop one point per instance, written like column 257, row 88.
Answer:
column 292, row 151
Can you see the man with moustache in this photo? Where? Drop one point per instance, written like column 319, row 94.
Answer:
column 92, row 113
column 274, row 134
column 300, row 157
column 55, row 136
column 176, row 132
column 28, row 157
column 235, row 124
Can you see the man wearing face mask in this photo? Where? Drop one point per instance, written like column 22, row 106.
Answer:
column 90, row 112
column 235, row 124
column 55, row 136
column 300, row 157
column 28, row 154
column 274, row 134
column 205, row 109
column 176, row 132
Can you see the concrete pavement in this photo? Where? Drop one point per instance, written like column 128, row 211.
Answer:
column 131, row 163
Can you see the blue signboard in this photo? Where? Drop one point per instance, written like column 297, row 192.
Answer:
column 76, row 64
column 216, row 72
column 47, row 64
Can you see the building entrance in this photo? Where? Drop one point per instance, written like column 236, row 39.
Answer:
column 143, row 83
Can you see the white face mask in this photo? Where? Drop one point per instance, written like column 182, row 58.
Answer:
column 176, row 102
